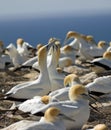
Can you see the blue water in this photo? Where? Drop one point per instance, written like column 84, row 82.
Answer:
column 39, row 30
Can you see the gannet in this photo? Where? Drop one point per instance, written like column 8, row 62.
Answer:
column 11, row 50
column 103, row 44
column 40, row 86
column 90, row 39
column 102, row 64
column 74, row 43
column 50, row 121
column 99, row 127
column 68, row 51
column 36, row 102
column 65, row 62
column 77, row 108
column 24, row 48
column 62, row 94
column 67, row 56
column 100, row 86
column 86, row 50
column 56, row 79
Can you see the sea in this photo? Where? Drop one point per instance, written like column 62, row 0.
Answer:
column 36, row 30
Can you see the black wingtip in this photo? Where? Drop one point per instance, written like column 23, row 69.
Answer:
column 6, row 97
column 97, row 94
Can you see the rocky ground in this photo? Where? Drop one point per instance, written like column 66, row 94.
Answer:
column 8, row 79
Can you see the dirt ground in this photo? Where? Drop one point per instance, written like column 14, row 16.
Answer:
column 8, row 79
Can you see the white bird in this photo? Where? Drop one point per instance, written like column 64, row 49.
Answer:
column 100, row 86
column 103, row 44
column 65, row 62
column 90, row 39
column 24, row 48
column 86, row 50
column 62, row 94
column 35, row 103
column 68, row 51
column 50, row 121
column 74, row 43
column 56, row 78
column 102, row 64
column 40, row 86
column 11, row 50
column 99, row 127
column 77, row 108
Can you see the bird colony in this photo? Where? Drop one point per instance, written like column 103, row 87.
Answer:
column 56, row 86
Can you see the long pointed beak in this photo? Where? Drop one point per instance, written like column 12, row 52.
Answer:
column 66, row 40
column 65, row 117
column 89, row 97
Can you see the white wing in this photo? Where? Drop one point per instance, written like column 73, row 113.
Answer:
column 101, row 84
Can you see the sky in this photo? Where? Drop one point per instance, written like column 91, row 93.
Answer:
column 37, row 20
column 10, row 9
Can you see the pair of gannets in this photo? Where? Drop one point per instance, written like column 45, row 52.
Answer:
column 66, row 56
column 100, row 86
column 56, row 78
column 76, row 108
column 86, row 50
column 40, row 86
column 50, row 121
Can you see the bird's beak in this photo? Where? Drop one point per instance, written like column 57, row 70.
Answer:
column 89, row 97
column 65, row 117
